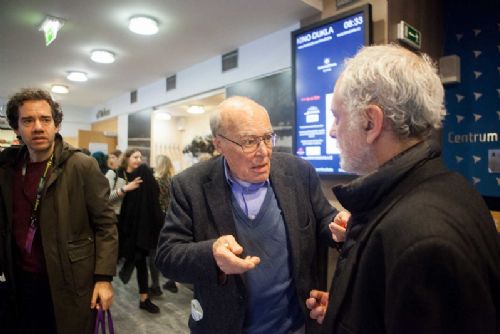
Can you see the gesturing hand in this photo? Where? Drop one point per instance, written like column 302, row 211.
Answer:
column 133, row 185
column 317, row 303
column 338, row 226
column 226, row 253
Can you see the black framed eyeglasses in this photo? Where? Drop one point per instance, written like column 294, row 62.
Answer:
column 250, row 144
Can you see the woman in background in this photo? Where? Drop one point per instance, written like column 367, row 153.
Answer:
column 139, row 224
column 163, row 173
column 114, row 159
column 118, row 185
column 101, row 161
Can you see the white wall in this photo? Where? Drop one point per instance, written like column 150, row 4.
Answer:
column 168, row 138
column 196, row 126
column 265, row 55
column 122, row 132
column 166, row 141
column 74, row 119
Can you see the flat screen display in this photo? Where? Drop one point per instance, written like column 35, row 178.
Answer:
column 318, row 53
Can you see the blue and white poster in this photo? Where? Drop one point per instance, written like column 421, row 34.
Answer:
column 471, row 143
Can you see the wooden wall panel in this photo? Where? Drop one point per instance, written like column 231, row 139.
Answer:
column 110, row 125
column 85, row 137
column 73, row 141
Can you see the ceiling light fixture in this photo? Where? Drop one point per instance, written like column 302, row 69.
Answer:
column 196, row 110
column 102, row 56
column 143, row 25
column 77, row 76
column 50, row 26
column 59, row 89
column 163, row 116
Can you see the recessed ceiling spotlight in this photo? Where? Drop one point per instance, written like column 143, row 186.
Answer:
column 143, row 25
column 163, row 116
column 77, row 76
column 196, row 110
column 59, row 89
column 102, row 56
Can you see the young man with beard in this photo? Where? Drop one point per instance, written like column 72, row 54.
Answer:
column 58, row 236
column 421, row 253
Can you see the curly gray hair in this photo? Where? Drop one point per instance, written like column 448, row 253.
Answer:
column 404, row 85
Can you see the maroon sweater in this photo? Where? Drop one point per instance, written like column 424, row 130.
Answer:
column 24, row 194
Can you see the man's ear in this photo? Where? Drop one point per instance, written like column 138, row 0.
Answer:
column 216, row 142
column 374, row 123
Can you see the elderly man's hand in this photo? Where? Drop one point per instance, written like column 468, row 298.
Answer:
column 226, row 253
column 317, row 303
column 339, row 225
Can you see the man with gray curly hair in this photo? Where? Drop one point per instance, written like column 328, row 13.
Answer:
column 421, row 253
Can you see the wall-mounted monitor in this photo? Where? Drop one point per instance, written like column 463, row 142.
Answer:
column 318, row 53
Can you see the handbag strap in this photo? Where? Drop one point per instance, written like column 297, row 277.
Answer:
column 100, row 319
column 110, row 323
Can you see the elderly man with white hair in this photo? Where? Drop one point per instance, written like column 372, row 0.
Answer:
column 421, row 253
column 248, row 229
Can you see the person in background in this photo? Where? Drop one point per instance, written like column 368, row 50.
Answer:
column 102, row 161
column 113, row 161
column 204, row 156
column 245, row 228
column 164, row 172
column 139, row 223
column 58, row 236
column 117, row 184
column 421, row 254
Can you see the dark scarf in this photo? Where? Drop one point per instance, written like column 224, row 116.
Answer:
column 365, row 193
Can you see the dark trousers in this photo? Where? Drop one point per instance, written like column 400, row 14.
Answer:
column 140, row 264
column 142, row 272
column 35, row 304
column 7, row 310
column 153, row 271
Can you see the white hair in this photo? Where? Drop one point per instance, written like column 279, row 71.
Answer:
column 215, row 122
column 218, row 121
column 404, row 85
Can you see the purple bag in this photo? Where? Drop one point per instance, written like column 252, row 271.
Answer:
column 100, row 320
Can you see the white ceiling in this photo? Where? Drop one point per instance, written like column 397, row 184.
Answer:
column 191, row 31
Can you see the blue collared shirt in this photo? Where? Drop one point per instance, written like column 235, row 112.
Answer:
column 249, row 196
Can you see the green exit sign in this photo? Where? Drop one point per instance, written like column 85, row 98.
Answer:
column 50, row 36
column 409, row 35
column 50, row 26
